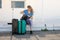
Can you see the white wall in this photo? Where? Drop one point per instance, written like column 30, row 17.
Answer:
column 5, row 12
column 48, row 13
column 37, row 7
column 51, row 12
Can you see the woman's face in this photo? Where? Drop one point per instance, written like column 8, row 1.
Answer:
column 29, row 9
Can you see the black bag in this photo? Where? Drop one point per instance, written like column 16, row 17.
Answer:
column 24, row 17
column 14, row 25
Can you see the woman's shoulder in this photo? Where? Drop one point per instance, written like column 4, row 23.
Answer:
column 25, row 10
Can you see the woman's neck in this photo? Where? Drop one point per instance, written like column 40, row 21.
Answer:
column 28, row 11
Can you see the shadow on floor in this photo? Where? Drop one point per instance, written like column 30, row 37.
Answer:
column 39, row 33
column 35, row 34
column 5, row 34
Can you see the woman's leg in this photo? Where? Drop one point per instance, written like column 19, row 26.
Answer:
column 30, row 24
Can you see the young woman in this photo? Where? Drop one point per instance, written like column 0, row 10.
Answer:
column 28, row 16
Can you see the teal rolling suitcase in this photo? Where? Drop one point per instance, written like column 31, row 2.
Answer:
column 21, row 27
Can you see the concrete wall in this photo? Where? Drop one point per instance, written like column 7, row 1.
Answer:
column 46, row 12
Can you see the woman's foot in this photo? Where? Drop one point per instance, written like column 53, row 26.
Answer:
column 31, row 32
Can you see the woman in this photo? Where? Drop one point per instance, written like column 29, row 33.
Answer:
column 28, row 16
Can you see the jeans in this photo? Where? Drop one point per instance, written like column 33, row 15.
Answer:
column 29, row 22
column 27, row 19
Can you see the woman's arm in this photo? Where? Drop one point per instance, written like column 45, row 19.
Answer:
column 22, row 12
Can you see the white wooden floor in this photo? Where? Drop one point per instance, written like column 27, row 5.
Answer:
column 37, row 35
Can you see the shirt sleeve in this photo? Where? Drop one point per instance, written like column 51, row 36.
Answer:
column 25, row 12
column 31, row 14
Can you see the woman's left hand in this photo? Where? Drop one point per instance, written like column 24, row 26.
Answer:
column 31, row 17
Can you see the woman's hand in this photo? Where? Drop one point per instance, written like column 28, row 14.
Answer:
column 32, row 17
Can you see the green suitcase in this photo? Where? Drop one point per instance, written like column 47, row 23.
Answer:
column 21, row 27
